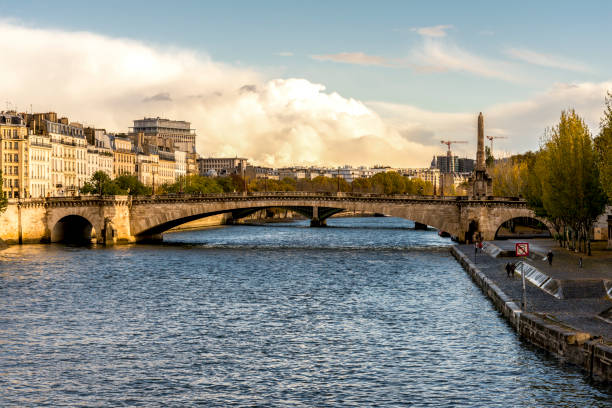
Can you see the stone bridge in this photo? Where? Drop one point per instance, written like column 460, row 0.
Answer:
column 124, row 219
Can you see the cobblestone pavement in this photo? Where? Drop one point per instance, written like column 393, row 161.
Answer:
column 577, row 313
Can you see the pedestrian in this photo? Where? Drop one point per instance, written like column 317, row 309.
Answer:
column 475, row 249
column 508, row 269
column 549, row 256
column 512, row 269
column 580, row 262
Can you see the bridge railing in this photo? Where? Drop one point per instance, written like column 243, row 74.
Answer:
column 272, row 195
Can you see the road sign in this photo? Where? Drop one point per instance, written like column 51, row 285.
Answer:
column 521, row 249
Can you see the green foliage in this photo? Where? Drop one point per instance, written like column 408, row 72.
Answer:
column 194, row 184
column 566, row 167
column 286, row 184
column 101, row 183
column 603, row 143
column 3, row 199
column 131, row 185
column 509, row 178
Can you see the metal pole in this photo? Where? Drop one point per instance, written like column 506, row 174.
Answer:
column 524, row 289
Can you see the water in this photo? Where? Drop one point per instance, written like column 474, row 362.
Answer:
column 364, row 313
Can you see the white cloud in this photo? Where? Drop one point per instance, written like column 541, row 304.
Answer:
column 108, row 82
column 522, row 122
column 546, row 60
column 357, row 58
column 433, row 31
column 285, row 54
column 435, row 55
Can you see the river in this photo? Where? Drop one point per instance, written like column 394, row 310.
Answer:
column 366, row 312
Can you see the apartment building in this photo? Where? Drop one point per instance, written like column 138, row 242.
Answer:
column 40, row 165
column 124, row 159
column 14, row 155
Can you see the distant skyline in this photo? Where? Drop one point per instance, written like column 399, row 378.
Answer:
column 318, row 82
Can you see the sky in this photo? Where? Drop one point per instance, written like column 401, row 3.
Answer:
column 314, row 83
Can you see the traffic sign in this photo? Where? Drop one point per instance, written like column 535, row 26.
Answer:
column 521, row 249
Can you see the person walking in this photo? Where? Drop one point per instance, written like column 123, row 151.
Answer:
column 549, row 256
column 508, row 269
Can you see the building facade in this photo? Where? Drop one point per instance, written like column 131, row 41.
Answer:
column 40, row 165
column 14, row 156
column 157, row 129
column 124, row 156
column 223, row 166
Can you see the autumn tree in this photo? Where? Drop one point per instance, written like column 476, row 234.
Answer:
column 603, row 143
column 569, row 177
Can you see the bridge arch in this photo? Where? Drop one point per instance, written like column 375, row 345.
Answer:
column 530, row 220
column 149, row 219
column 73, row 229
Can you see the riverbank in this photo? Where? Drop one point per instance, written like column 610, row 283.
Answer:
column 576, row 327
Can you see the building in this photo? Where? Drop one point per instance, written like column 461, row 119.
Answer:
column 431, row 175
column 466, row 165
column 191, row 163
column 166, row 169
column 14, row 155
column 68, row 151
column 124, row 156
column 180, row 164
column 100, row 153
column 147, row 165
column 223, row 166
column 40, row 165
column 446, row 164
column 158, row 132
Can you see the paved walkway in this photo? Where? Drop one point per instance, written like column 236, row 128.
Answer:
column 565, row 263
column 578, row 313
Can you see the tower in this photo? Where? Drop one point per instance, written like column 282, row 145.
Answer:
column 481, row 181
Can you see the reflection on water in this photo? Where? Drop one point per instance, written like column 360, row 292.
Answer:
column 365, row 312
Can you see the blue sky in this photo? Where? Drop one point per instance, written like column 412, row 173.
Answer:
column 253, row 34
column 446, row 57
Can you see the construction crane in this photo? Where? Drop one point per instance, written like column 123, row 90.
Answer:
column 494, row 137
column 450, row 142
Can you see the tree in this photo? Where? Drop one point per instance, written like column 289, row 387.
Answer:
column 3, row 199
column 100, row 183
column 129, row 184
column 509, row 178
column 603, row 143
column 569, row 175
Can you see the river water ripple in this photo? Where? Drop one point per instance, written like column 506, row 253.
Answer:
column 366, row 312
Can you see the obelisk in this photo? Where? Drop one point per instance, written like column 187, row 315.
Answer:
column 480, row 180
column 480, row 153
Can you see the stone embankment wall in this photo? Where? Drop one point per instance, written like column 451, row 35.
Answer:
column 580, row 348
column 27, row 223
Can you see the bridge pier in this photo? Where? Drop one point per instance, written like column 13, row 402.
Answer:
column 153, row 238
column 315, row 221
